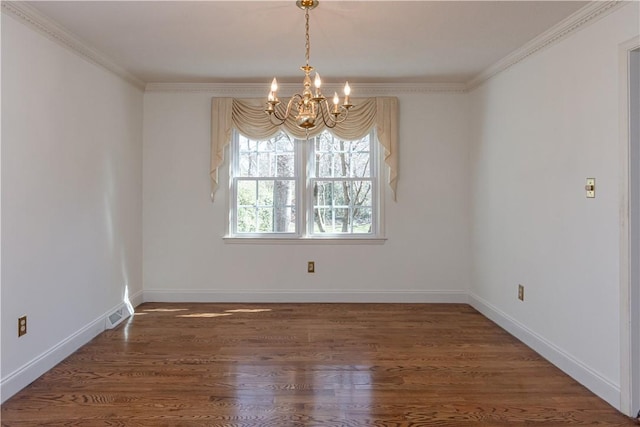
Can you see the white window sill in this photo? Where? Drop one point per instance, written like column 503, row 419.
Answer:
column 305, row 240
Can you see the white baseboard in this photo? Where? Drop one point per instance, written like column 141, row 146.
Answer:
column 302, row 297
column 29, row 372
column 32, row 370
column 137, row 298
column 586, row 376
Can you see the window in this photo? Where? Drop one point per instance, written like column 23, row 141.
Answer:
column 264, row 181
column 287, row 188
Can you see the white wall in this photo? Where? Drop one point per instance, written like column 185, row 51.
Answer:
column 426, row 257
column 71, row 199
column 539, row 130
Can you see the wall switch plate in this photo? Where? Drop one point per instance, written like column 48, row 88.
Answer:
column 590, row 188
column 521, row 292
column 311, row 267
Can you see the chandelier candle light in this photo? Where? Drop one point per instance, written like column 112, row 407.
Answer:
column 311, row 106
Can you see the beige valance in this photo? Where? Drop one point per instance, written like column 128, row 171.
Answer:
column 249, row 118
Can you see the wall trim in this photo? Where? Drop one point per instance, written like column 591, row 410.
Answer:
column 55, row 32
column 589, row 14
column 137, row 298
column 258, row 89
column 629, row 222
column 284, row 296
column 586, row 376
column 32, row 370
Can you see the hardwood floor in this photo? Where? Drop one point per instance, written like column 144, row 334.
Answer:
column 306, row 365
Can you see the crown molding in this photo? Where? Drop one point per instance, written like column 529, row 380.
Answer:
column 50, row 29
column 393, row 88
column 578, row 20
column 260, row 89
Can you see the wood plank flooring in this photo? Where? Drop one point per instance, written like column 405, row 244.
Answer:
column 284, row 365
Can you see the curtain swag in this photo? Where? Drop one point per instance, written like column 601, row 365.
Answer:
column 247, row 116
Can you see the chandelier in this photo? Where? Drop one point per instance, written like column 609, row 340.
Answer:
column 311, row 106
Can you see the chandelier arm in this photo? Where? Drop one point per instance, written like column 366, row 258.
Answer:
column 278, row 120
column 292, row 102
column 287, row 112
column 278, row 116
column 344, row 112
column 335, row 118
column 326, row 116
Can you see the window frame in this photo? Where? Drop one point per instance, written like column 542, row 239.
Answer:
column 375, row 196
column 303, row 158
column 234, row 168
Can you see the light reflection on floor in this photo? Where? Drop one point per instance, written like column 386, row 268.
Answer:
column 248, row 310
column 334, row 387
column 204, row 315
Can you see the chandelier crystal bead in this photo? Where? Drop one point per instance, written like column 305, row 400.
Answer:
column 311, row 106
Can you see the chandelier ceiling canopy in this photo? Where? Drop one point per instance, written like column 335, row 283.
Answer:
column 311, row 107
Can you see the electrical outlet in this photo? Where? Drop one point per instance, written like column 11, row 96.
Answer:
column 22, row 326
column 590, row 188
column 311, row 267
column 521, row 292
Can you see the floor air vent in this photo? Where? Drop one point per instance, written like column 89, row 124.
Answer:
column 115, row 318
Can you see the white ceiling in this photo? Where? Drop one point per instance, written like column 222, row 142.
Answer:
column 251, row 41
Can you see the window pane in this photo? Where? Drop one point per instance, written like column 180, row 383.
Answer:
column 360, row 193
column 266, row 206
column 324, row 142
column 265, row 220
column 324, row 165
column 332, row 220
column 247, row 193
column 284, row 143
column 248, row 163
column 336, row 158
column 246, row 144
column 360, row 163
column 283, row 213
column 285, row 165
column 246, row 221
column 342, row 220
column 323, row 193
column 342, row 206
column 266, row 146
column 245, row 209
column 265, row 165
column 265, row 193
column 268, row 158
column 362, row 220
column 343, row 193
column 322, row 219
column 340, row 164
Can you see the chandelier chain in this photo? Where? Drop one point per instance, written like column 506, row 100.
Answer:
column 307, row 44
